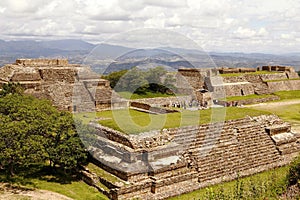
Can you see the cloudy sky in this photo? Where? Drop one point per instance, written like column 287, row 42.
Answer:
column 269, row 26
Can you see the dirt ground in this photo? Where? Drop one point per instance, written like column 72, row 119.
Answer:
column 17, row 193
column 275, row 104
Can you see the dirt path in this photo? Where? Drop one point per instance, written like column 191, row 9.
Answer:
column 16, row 193
column 275, row 104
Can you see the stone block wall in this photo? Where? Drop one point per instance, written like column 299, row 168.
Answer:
column 42, row 62
column 56, row 74
column 285, row 85
column 247, row 101
column 163, row 101
column 242, row 89
column 19, row 77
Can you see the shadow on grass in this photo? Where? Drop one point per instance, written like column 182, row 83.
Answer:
column 26, row 176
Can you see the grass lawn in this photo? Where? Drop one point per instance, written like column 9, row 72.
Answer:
column 36, row 178
column 129, row 95
column 240, row 74
column 102, row 173
column 290, row 113
column 265, row 185
column 284, row 95
column 133, row 122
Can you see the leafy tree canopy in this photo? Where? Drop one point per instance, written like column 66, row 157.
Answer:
column 138, row 81
column 33, row 131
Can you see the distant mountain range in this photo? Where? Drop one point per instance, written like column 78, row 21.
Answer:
column 105, row 58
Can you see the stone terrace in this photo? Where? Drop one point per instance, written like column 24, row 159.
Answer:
column 70, row 87
column 160, row 164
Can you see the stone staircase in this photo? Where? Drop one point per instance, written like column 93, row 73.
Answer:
column 239, row 148
column 286, row 141
column 260, row 87
column 82, row 98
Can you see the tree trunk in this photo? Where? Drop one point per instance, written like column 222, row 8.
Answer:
column 11, row 170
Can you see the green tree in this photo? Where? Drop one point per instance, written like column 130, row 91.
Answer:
column 154, row 77
column 133, row 81
column 114, row 77
column 20, row 140
column 33, row 131
column 62, row 144
column 11, row 88
column 169, row 83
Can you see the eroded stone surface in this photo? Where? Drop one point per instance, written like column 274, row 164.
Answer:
column 70, row 87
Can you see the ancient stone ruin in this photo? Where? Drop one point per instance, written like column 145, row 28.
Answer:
column 70, row 87
column 169, row 162
column 238, row 82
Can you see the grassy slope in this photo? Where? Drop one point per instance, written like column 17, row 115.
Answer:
column 265, row 185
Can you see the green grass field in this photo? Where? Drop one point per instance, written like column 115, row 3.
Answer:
column 240, row 74
column 289, row 113
column 133, row 122
column 37, row 177
column 251, row 96
column 287, row 95
column 265, row 185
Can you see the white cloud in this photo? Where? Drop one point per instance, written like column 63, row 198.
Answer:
column 244, row 32
column 166, row 3
column 225, row 25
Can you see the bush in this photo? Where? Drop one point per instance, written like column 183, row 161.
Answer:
column 293, row 176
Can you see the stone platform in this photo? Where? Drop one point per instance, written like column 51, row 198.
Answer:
column 170, row 162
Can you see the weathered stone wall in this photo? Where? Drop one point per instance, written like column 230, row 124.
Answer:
column 274, row 76
column 285, row 85
column 58, row 75
column 247, row 101
column 163, row 101
column 236, row 89
column 144, row 107
column 236, row 70
column 41, row 62
column 19, row 77
column 278, row 68
column 113, row 135
column 193, row 77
